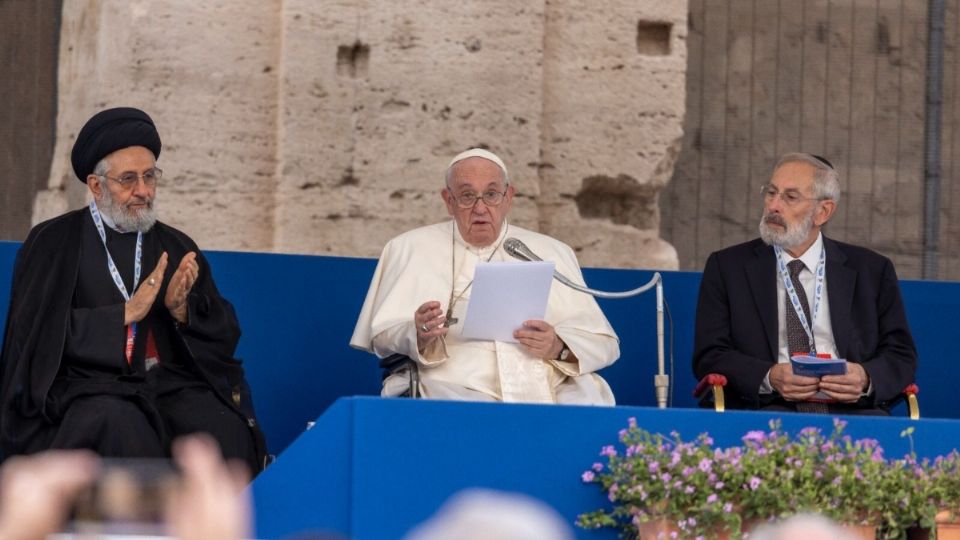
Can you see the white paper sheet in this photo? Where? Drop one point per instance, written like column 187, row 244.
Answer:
column 503, row 295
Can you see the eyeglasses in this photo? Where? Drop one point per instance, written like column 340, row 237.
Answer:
column 128, row 180
column 469, row 199
column 790, row 197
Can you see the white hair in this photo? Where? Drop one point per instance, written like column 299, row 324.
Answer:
column 826, row 180
column 802, row 527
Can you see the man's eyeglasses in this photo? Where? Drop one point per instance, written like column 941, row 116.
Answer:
column 128, row 180
column 469, row 199
column 789, row 197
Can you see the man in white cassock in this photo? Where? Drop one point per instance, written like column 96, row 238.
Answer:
column 420, row 290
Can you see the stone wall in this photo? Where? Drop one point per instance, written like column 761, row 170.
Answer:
column 325, row 127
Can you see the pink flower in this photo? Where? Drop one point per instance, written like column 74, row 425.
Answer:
column 712, row 498
column 609, row 451
column 587, row 477
column 597, row 467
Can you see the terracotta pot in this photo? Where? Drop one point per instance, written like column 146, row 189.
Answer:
column 661, row 529
column 948, row 528
column 861, row 532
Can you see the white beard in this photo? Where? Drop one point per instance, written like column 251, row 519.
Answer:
column 124, row 219
column 793, row 235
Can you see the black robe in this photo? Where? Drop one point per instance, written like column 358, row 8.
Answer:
column 64, row 333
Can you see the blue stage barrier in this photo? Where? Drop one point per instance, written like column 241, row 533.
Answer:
column 297, row 313
column 373, row 468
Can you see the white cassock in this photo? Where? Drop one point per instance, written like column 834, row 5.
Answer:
column 415, row 267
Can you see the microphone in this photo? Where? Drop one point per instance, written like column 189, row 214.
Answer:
column 517, row 249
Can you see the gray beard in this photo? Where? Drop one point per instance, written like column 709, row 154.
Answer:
column 794, row 235
column 124, row 219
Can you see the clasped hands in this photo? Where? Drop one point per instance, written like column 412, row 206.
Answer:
column 537, row 338
column 177, row 290
column 842, row 388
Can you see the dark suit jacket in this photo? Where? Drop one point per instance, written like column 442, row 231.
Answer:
column 736, row 325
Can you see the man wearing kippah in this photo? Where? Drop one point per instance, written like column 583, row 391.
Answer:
column 117, row 339
column 794, row 291
column 422, row 285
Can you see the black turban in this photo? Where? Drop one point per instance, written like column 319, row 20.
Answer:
column 109, row 131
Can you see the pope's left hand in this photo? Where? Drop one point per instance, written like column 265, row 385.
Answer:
column 180, row 285
column 539, row 339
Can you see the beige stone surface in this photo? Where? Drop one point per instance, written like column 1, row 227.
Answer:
column 612, row 126
column 325, row 127
column 205, row 72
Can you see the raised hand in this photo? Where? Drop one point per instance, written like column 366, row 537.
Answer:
column 142, row 300
column 180, row 285
column 429, row 320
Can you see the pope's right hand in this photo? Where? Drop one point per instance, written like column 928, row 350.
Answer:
column 429, row 321
column 140, row 303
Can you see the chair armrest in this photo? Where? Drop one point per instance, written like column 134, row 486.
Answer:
column 913, row 405
column 715, row 382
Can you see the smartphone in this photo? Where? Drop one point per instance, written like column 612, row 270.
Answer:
column 129, row 496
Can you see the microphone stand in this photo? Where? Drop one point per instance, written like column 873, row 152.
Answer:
column 661, row 381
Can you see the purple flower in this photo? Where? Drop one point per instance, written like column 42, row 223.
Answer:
column 689, row 490
column 609, row 451
column 839, row 424
column 754, row 483
column 687, row 471
column 666, row 477
column 712, row 498
column 719, row 485
column 587, row 477
column 623, row 434
column 597, row 467
column 653, row 466
column 705, row 465
column 728, row 507
column 632, row 421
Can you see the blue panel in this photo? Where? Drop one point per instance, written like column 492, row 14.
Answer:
column 297, row 314
column 409, row 456
column 293, row 494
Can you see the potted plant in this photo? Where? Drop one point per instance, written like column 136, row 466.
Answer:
column 944, row 489
column 665, row 487
column 693, row 490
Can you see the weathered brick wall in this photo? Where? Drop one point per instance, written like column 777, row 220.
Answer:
column 325, row 127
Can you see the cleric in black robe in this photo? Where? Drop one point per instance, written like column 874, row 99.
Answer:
column 85, row 368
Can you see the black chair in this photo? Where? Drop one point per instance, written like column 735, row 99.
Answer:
column 397, row 363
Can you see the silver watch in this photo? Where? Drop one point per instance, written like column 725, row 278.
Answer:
column 564, row 352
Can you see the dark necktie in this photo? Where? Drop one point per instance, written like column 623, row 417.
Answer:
column 797, row 340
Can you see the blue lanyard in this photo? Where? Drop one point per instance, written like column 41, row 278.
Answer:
column 795, row 299
column 117, row 280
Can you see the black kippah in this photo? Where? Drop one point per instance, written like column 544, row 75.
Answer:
column 823, row 160
column 109, row 131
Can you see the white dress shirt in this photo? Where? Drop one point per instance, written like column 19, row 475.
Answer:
column 822, row 329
